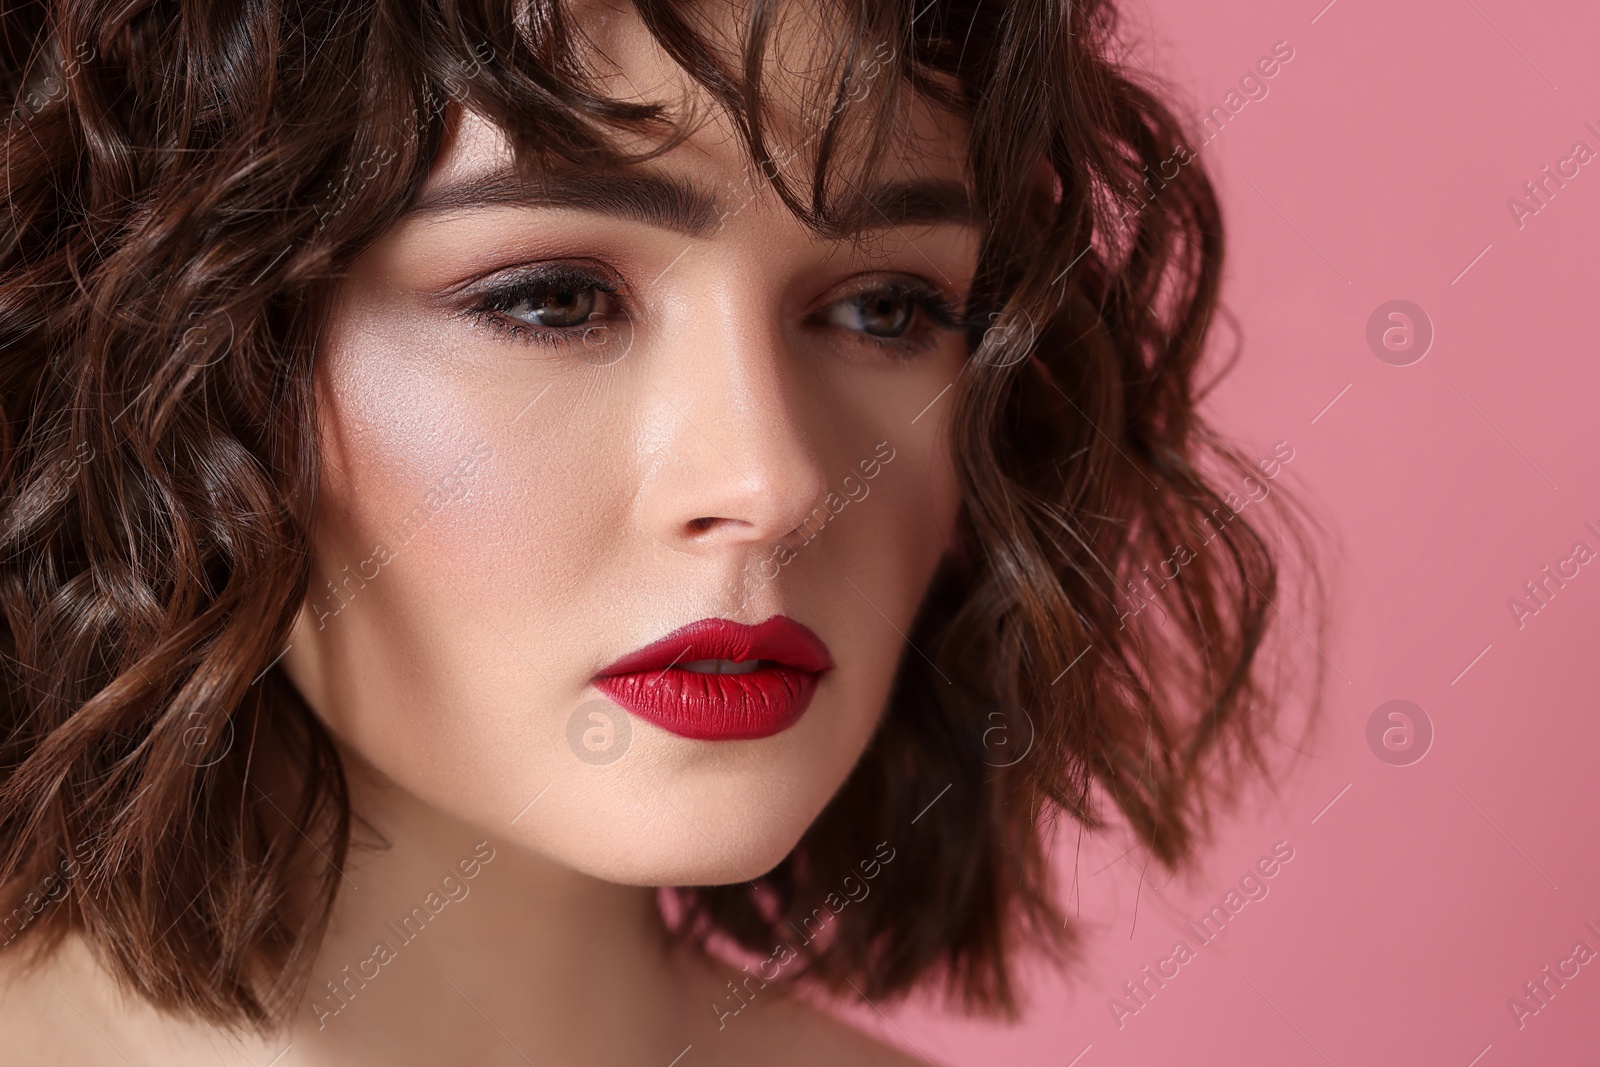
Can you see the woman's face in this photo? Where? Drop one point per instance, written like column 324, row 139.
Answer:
column 561, row 422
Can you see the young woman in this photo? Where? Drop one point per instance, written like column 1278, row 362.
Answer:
column 537, row 533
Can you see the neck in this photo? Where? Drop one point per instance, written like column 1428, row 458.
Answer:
column 457, row 937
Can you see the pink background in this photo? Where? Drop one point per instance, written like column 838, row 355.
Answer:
column 1379, row 167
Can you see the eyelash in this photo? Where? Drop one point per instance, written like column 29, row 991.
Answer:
column 493, row 306
column 939, row 313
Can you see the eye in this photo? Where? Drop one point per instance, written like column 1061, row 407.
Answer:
column 554, row 304
column 902, row 312
column 557, row 304
column 885, row 313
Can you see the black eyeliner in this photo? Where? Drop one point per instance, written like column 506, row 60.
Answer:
column 506, row 294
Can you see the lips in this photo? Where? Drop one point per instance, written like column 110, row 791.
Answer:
column 773, row 669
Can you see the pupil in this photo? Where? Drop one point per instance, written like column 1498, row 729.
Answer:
column 887, row 316
column 564, row 307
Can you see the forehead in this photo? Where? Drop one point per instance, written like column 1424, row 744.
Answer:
column 803, row 111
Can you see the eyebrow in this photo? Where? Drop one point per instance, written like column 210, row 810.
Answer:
column 652, row 199
column 923, row 201
column 676, row 205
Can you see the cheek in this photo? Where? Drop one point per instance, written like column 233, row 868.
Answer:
column 445, row 460
column 486, row 481
column 490, row 512
column 913, row 527
column 872, row 574
column 920, row 482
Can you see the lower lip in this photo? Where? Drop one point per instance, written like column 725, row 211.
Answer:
column 715, row 707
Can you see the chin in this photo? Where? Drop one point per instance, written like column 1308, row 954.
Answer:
column 679, row 812
column 687, row 860
column 702, row 835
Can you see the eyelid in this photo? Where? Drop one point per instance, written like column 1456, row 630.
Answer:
column 930, row 298
column 487, row 301
column 873, row 283
column 585, row 272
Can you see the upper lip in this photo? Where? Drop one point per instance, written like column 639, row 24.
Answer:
column 779, row 639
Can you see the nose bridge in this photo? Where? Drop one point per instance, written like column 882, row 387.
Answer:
column 748, row 467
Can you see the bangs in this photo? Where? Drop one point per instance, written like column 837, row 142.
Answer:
column 818, row 95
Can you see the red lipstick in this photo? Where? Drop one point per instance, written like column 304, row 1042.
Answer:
column 720, row 680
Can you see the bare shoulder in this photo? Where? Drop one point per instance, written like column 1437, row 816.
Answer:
column 65, row 1011
column 49, row 1009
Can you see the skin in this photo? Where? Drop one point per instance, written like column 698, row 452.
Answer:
column 595, row 497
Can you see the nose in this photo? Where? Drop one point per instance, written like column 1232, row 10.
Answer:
column 741, row 468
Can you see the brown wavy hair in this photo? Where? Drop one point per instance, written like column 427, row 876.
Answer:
column 186, row 180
